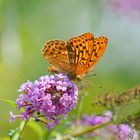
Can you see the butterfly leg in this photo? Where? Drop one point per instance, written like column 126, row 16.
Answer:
column 79, row 77
column 52, row 69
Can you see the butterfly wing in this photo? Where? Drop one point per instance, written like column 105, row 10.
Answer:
column 80, row 49
column 99, row 47
column 76, row 56
column 57, row 55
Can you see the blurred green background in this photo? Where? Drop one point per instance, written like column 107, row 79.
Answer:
column 25, row 25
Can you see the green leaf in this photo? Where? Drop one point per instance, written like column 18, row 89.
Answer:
column 9, row 102
column 11, row 133
column 56, row 135
column 126, row 110
column 5, row 138
column 16, row 134
column 38, row 129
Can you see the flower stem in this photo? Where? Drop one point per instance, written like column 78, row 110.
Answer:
column 85, row 131
column 21, row 128
column 80, row 106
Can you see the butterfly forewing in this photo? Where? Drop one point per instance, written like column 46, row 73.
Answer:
column 82, row 47
column 56, row 53
column 100, row 44
column 98, row 50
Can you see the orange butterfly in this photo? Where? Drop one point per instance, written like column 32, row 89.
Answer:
column 76, row 56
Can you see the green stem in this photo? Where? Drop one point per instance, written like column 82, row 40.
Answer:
column 80, row 106
column 85, row 131
column 21, row 128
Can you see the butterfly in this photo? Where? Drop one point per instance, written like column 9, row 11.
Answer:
column 75, row 56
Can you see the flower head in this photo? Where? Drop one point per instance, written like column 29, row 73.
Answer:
column 96, row 119
column 49, row 96
column 127, row 4
column 110, row 131
column 13, row 117
column 123, row 132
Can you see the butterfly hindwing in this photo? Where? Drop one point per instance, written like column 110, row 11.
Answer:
column 57, row 55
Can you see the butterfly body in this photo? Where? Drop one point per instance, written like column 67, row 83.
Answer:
column 76, row 56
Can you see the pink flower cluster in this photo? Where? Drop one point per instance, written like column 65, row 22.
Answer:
column 49, row 96
column 111, row 131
